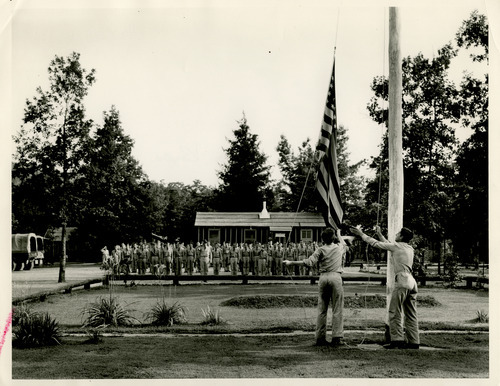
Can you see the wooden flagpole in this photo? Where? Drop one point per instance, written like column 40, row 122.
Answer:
column 396, row 182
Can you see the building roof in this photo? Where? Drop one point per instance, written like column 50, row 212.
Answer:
column 276, row 220
column 56, row 233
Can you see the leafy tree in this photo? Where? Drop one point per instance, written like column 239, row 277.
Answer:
column 49, row 144
column 246, row 177
column 183, row 201
column 172, row 208
column 296, row 167
column 297, row 191
column 352, row 185
column 199, row 198
column 469, row 224
column 430, row 112
column 112, row 186
column 474, row 33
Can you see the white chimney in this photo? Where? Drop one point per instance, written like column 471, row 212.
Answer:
column 264, row 213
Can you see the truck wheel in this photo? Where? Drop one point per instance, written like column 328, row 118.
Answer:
column 28, row 265
column 18, row 266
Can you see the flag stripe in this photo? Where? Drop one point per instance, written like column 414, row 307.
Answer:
column 328, row 183
column 333, row 210
column 331, row 188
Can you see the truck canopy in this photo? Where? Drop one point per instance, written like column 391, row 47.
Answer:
column 24, row 243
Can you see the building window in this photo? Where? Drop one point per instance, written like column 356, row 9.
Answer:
column 306, row 235
column 250, row 235
column 214, row 236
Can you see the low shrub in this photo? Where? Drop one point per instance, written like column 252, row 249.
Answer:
column 211, row 317
column 452, row 276
column 427, row 301
column 164, row 314
column 20, row 312
column 271, row 301
column 94, row 335
column 36, row 330
column 106, row 311
column 356, row 301
column 481, row 317
column 365, row 301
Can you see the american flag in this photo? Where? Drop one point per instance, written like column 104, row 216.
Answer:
column 328, row 184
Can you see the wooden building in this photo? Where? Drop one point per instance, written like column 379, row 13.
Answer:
column 264, row 226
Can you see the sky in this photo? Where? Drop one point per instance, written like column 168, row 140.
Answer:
column 182, row 73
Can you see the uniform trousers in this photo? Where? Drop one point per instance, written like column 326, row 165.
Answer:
column 403, row 309
column 331, row 293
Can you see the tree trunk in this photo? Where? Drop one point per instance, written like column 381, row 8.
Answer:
column 62, row 261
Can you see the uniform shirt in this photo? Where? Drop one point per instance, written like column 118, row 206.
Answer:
column 235, row 253
column 263, row 253
column 105, row 254
column 205, row 253
column 217, row 254
column 328, row 256
column 401, row 256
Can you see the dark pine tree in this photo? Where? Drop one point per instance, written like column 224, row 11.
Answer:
column 246, row 177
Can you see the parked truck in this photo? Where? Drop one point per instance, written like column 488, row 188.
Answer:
column 27, row 250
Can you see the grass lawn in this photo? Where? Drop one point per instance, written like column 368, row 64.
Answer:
column 457, row 307
column 209, row 356
column 224, row 352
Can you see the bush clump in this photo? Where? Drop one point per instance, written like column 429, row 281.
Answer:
column 94, row 335
column 35, row 330
column 481, row 317
column 164, row 314
column 452, row 276
column 106, row 312
column 20, row 312
column 427, row 301
column 212, row 318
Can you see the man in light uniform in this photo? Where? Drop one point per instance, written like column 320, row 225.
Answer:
column 205, row 257
column 403, row 301
column 329, row 259
column 234, row 258
column 217, row 258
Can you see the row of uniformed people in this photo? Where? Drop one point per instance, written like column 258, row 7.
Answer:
column 161, row 258
column 266, row 259
column 155, row 257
